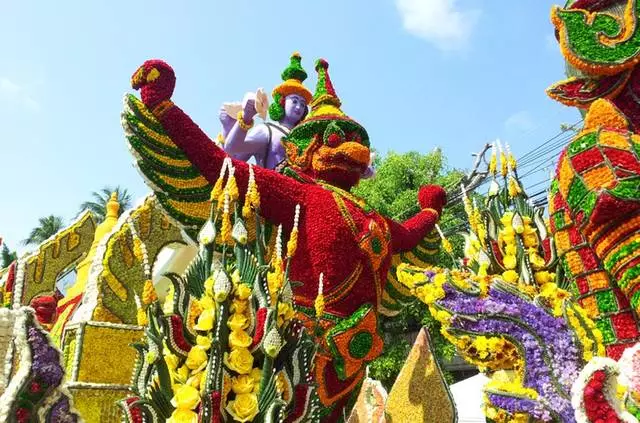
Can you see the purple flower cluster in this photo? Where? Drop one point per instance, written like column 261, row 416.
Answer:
column 61, row 412
column 549, row 349
column 45, row 360
column 520, row 405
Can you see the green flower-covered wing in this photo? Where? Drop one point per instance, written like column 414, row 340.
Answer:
column 395, row 294
column 181, row 190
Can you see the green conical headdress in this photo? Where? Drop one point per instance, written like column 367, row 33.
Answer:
column 293, row 77
column 325, row 113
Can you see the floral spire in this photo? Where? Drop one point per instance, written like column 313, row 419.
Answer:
column 325, row 100
column 217, row 188
column 293, row 238
column 319, row 301
column 493, row 162
column 503, row 160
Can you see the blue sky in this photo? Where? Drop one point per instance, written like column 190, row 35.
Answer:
column 416, row 73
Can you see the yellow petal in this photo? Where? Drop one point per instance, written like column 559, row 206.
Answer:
column 186, row 398
column 196, row 357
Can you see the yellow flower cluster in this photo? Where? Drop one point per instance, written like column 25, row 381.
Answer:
column 252, row 198
column 225, row 230
column 275, row 278
column 245, row 385
column 511, row 386
column 318, row 303
column 292, row 244
column 148, row 292
column 487, row 352
column 410, row 276
column 513, row 187
column 507, row 244
column 493, row 162
column 578, row 320
column 553, row 297
column 499, row 415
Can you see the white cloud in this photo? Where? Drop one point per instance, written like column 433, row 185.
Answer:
column 520, row 122
column 17, row 94
column 441, row 22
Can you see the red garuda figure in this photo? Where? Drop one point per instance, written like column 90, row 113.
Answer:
column 339, row 236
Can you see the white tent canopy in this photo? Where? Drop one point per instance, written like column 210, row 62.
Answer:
column 467, row 395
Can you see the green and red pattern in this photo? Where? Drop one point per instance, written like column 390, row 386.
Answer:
column 595, row 216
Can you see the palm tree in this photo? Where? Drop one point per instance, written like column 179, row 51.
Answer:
column 98, row 207
column 48, row 226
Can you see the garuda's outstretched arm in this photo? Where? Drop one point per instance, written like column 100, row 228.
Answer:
column 407, row 235
column 279, row 194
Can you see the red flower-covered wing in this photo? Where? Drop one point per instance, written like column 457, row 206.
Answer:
column 581, row 92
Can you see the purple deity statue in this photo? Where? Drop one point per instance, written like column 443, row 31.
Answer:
column 242, row 139
column 263, row 141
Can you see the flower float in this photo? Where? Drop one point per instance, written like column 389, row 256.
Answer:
column 508, row 236
column 225, row 346
column 594, row 202
column 342, row 238
column 531, row 346
column 35, row 391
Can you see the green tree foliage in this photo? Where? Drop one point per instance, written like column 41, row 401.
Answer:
column 47, row 227
column 98, row 206
column 394, row 192
column 6, row 256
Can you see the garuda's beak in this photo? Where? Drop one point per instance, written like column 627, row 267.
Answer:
column 138, row 78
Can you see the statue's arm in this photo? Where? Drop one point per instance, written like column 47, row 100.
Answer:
column 407, row 235
column 279, row 194
column 253, row 142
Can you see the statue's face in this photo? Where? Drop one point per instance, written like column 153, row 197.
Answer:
column 294, row 108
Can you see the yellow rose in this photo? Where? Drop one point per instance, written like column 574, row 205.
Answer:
column 206, row 320
column 510, row 276
column 285, row 313
column 183, row 416
column 239, row 360
column 256, row 375
column 530, row 240
column 181, row 374
column 244, row 408
column 196, row 357
column 239, row 339
column 237, row 321
column 235, row 277
column 172, row 361
column 242, row 384
column 510, row 261
column 186, row 397
column 239, row 306
column 208, row 286
column 203, row 341
column 207, row 302
column 510, row 249
column 195, row 380
column 242, row 291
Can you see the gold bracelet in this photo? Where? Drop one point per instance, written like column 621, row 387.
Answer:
column 245, row 126
column 220, row 139
column 431, row 210
column 162, row 108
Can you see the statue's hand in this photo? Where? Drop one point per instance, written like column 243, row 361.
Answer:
column 249, row 106
column 432, row 197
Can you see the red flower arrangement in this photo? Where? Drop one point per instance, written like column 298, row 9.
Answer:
column 596, row 405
